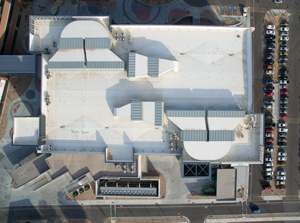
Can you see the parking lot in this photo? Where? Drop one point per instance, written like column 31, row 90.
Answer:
column 291, row 168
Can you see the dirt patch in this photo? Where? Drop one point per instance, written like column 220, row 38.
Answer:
column 14, row 185
column 211, row 15
column 156, row 2
column 16, row 87
column 150, row 220
column 207, row 22
column 87, row 195
column 103, row 3
column 190, row 196
column 185, row 21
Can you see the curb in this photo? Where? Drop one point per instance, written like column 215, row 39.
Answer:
column 146, row 217
column 156, row 5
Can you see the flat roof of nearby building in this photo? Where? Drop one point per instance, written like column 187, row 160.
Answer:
column 17, row 64
column 214, row 73
column 226, row 184
column 26, row 130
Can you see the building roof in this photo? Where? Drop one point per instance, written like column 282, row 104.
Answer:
column 196, row 135
column 26, row 130
column 136, row 110
column 97, row 43
column 185, row 113
column 70, row 43
column 226, row 184
column 221, row 135
column 18, row 64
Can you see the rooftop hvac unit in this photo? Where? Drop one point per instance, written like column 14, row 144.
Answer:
column 48, row 102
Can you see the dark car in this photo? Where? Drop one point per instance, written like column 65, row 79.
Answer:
column 269, row 88
column 269, row 125
column 281, row 163
column 269, row 144
column 269, row 62
column 283, row 57
column 280, row 187
column 284, row 106
column 267, row 187
column 283, row 77
column 268, row 178
column 282, row 62
column 269, row 57
column 270, row 41
column 270, row 47
column 284, row 43
column 268, row 116
column 282, row 134
column 268, row 37
column 282, row 139
column 284, row 96
column 284, row 24
column 282, row 71
column 268, row 81
column 282, row 144
column 269, row 52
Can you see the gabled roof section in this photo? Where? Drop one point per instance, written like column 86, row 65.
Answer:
column 159, row 113
column 65, row 65
column 105, row 65
column 136, row 110
column 226, row 113
column 185, row 113
column 70, row 43
column 131, row 65
column 221, row 135
column 97, row 43
column 153, row 65
column 190, row 135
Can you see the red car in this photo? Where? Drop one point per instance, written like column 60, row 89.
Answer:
column 269, row 130
column 284, row 91
column 283, row 116
column 267, row 187
column 269, row 94
column 269, row 139
column 281, row 163
column 280, row 187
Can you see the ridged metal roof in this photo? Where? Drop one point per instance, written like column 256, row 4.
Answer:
column 131, row 65
column 222, row 135
column 226, row 113
column 153, row 64
column 42, row 126
column 185, row 113
column 66, row 65
column 105, row 65
column 193, row 135
column 159, row 113
column 70, row 43
column 136, row 110
column 97, row 43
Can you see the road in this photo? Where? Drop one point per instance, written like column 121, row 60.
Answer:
column 292, row 167
column 195, row 213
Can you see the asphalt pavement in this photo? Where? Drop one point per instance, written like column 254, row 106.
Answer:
column 195, row 213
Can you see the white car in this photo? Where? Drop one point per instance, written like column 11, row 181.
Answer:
column 269, row 134
column 281, row 154
column 284, row 48
column 273, row 27
column 283, row 111
column 269, row 169
column 280, row 177
column 270, row 32
column 285, row 29
column 268, row 164
column 270, row 149
column 283, row 87
column 269, row 173
column 245, row 11
column 281, row 173
column 268, row 159
column 281, row 158
column 284, row 38
column 269, row 71
column 282, row 125
column 277, row 1
column 283, row 81
column 268, row 106
column 282, row 130
column 284, row 33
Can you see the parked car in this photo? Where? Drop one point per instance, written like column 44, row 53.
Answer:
column 281, row 173
column 269, row 125
column 245, row 11
column 283, row 71
column 270, row 41
column 269, row 88
column 269, row 139
column 280, row 182
column 282, row 158
column 285, row 29
column 283, row 53
column 270, row 47
column 283, row 116
column 281, row 163
column 277, row 1
column 257, row 210
column 269, row 94
column 282, row 62
column 270, row 149
column 284, row 24
column 284, row 101
column 282, row 139
column 282, row 134
column 280, row 187
column 284, row 96
column 282, row 87
column 268, row 81
column 282, row 130
column 268, row 164
column 283, row 57
column 272, row 27
column 270, row 67
column 280, row 177
column 267, row 187
column 269, row 173
column 281, row 143
column 283, row 111
column 280, row 125
column 281, row 153
column 284, row 33
column 271, row 37
column 283, row 77
column 268, row 106
column 269, row 62
column 283, row 106
column 284, row 48
column 268, row 101
column 283, row 82
column 269, row 135
column 268, row 116
column 269, row 52
column 284, row 91
column 269, row 57
column 284, row 43
column 269, row 144
column 283, row 38
column 268, row 169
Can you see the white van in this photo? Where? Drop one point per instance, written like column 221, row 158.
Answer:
column 280, row 182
